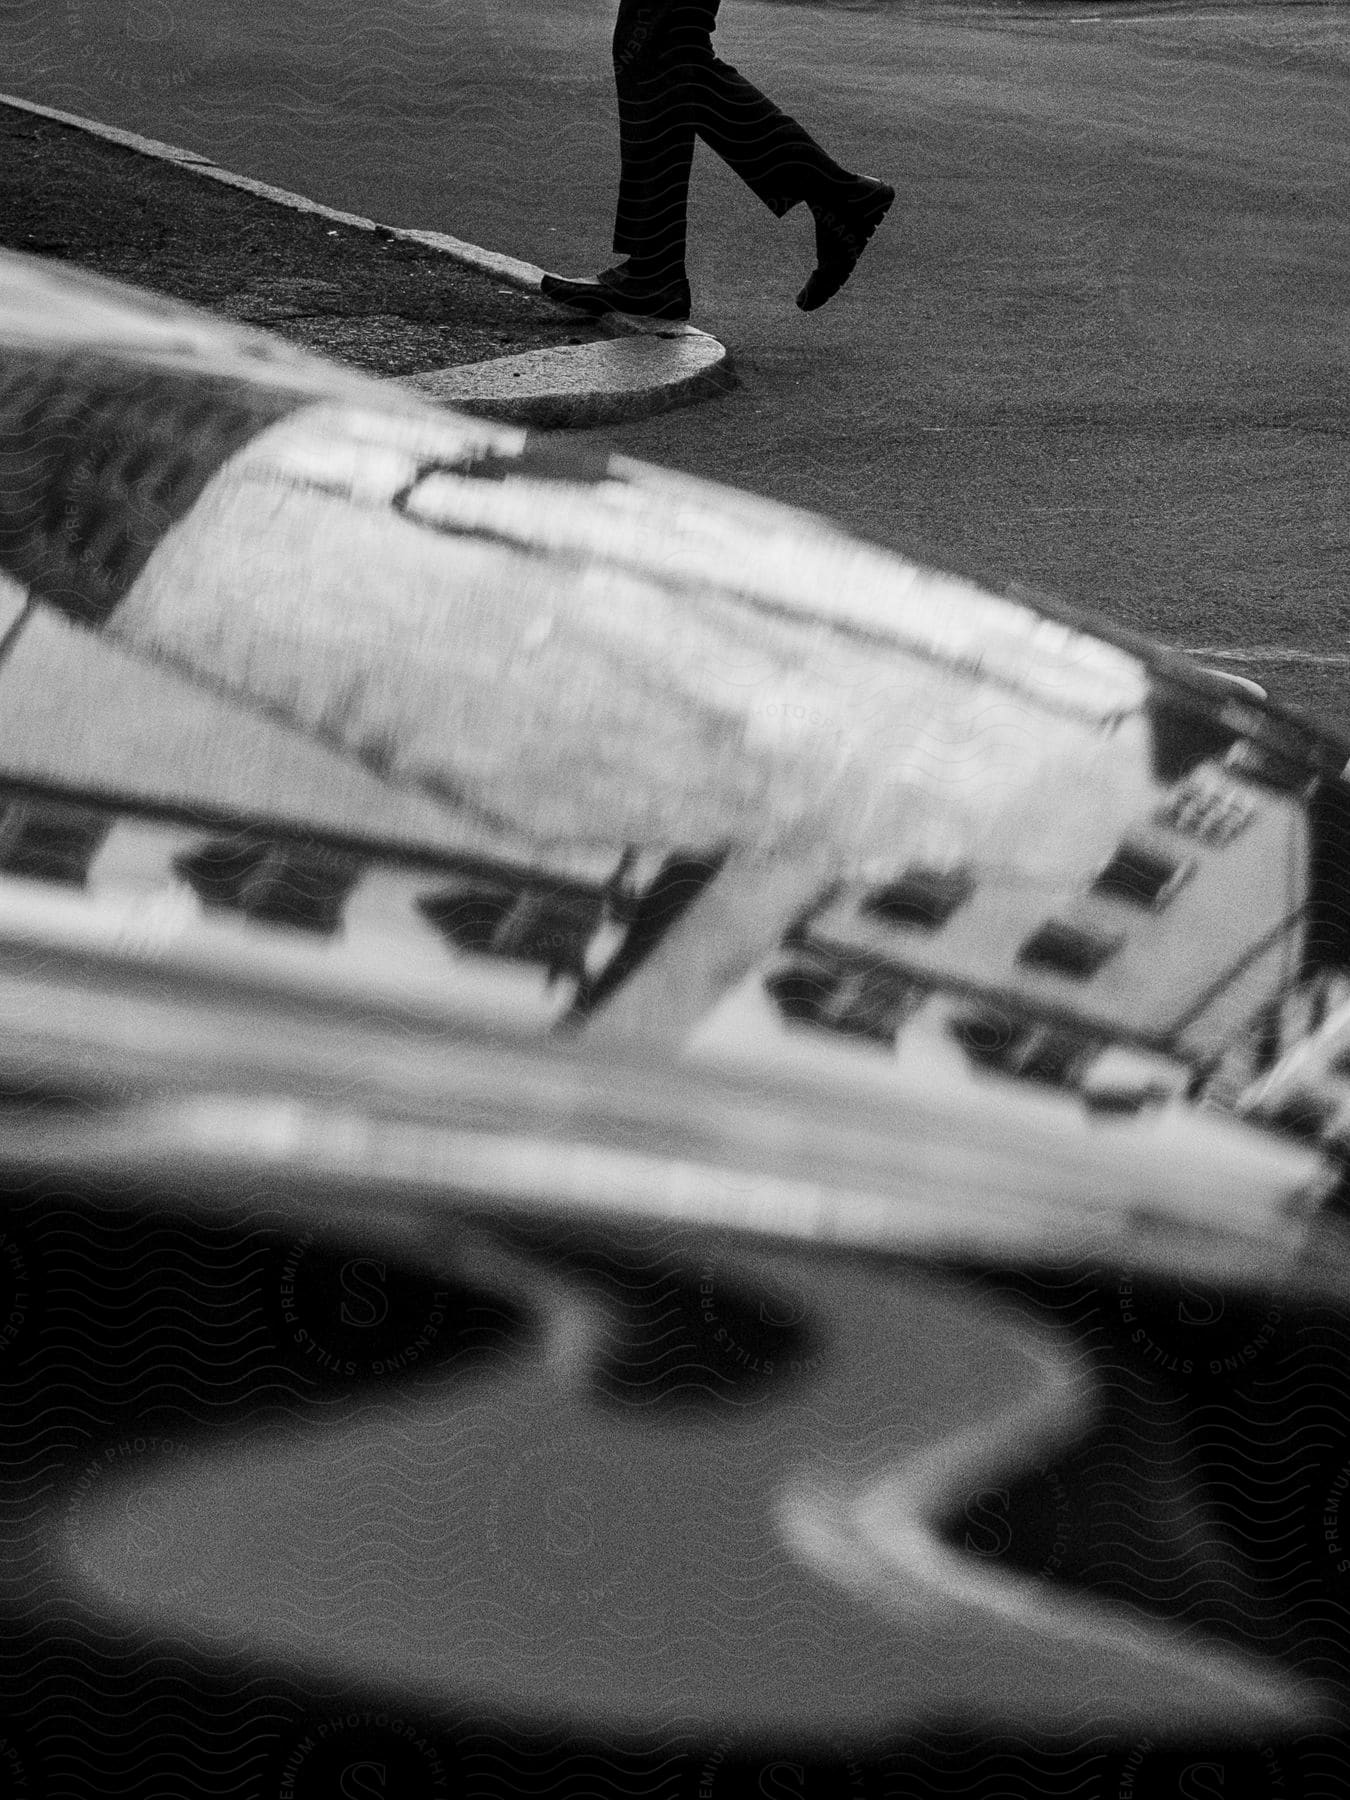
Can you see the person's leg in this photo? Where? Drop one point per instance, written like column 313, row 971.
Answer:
column 670, row 87
column 656, row 133
column 656, row 146
column 776, row 157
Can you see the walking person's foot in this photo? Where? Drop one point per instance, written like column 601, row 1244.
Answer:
column 621, row 289
column 845, row 223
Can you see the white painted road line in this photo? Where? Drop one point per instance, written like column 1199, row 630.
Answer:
column 1268, row 653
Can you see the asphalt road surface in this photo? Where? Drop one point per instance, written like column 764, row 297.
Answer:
column 1098, row 350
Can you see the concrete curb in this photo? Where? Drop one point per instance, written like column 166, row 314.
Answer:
column 586, row 384
column 650, row 366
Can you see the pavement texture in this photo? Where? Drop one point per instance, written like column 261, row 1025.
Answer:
column 463, row 325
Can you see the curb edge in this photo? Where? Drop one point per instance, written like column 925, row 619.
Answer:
column 545, row 408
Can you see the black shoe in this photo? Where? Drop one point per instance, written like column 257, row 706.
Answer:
column 843, row 230
column 619, row 290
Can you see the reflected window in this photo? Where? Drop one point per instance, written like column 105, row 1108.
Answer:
column 1073, row 951
column 921, row 900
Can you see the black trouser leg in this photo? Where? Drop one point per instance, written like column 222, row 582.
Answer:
column 671, row 88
